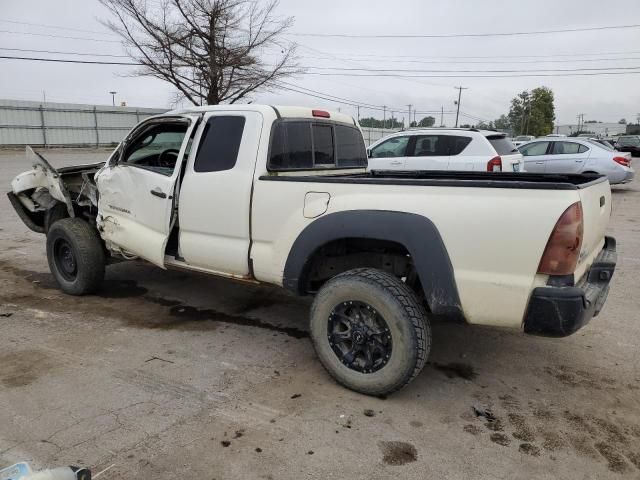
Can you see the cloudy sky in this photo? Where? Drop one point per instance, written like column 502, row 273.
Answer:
column 606, row 98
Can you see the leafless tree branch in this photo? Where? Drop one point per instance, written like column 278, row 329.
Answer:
column 211, row 51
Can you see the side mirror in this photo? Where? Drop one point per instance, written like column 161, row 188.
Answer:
column 368, row 153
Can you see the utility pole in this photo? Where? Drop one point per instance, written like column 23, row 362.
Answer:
column 458, row 102
column 580, row 121
column 393, row 122
column 358, row 107
column 409, row 126
column 442, row 116
column 384, row 117
column 113, row 98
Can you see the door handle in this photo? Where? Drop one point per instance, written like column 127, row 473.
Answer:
column 539, row 163
column 396, row 163
column 158, row 193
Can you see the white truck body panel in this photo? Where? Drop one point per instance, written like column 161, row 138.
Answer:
column 490, row 267
column 235, row 223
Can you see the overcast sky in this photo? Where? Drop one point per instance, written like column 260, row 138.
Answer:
column 604, row 98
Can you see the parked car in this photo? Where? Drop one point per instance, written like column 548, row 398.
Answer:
column 629, row 143
column 280, row 195
column 445, row 149
column 603, row 141
column 520, row 139
column 576, row 155
column 556, row 135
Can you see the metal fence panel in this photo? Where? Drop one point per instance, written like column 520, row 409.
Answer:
column 66, row 124
column 372, row 135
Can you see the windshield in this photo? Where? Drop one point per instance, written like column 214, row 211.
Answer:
column 604, row 145
column 629, row 141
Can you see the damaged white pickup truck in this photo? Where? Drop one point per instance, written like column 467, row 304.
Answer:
column 281, row 195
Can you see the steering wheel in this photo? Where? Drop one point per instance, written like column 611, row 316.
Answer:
column 168, row 162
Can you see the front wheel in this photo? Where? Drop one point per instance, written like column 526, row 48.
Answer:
column 370, row 331
column 75, row 255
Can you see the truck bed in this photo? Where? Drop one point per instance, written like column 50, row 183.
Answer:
column 535, row 181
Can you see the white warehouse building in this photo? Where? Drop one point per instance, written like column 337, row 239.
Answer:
column 601, row 129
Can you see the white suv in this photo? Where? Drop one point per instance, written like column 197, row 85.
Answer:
column 445, row 149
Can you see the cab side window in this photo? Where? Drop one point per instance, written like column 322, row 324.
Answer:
column 394, row 147
column 156, row 148
column 220, row 144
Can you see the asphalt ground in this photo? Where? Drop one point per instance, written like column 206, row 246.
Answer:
column 167, row 375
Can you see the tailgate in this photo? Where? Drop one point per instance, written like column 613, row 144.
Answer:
column 596, row 210
column 512, row 163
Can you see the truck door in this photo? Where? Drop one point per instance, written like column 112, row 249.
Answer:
column 137, row 187
column 215, row 196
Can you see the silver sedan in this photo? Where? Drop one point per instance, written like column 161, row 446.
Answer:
column 576, row 155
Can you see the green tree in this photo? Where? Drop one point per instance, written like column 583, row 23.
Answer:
column 502, row 123
column 533, row 113
column 623, row 121
column 371, row 122
column 427, row 122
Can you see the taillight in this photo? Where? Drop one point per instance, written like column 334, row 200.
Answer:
column 494, row 165
column 563, row 248
column 625, row 162
column 320, row 113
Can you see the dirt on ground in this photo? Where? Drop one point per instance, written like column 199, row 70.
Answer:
column 166, row 375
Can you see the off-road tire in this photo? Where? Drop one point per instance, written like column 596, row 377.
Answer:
column 81, row 240
column 401, row 310
column 55, row 213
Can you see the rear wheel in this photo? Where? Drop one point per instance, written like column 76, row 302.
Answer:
column 75, row 255
column 370, row 331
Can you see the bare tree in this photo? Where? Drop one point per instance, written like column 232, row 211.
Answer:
column 210, row 50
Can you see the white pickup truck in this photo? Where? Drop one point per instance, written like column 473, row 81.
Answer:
column 280, row 195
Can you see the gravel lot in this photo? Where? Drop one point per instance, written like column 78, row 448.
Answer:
column 167, row 375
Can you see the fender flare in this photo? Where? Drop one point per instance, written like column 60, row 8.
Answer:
column 416, row 233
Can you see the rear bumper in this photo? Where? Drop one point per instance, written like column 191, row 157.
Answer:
column 561, row 311
column 622, row 175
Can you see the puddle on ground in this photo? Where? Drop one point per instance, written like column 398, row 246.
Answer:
column 398, row 453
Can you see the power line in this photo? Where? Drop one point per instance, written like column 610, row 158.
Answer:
column 579, row 74
column 403, row 70
column 64, row 53
column 66, row 60
column 484, row 62
column 486, row 73
column 336, row 55
column 466, row 35
column 59, row 36
column 57, row 27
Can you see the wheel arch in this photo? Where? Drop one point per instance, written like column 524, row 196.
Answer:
column 415, row 233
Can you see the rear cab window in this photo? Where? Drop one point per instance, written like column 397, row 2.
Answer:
column 311, row 144
column 502, row 145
